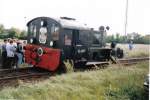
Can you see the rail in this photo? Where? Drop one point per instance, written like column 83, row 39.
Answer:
column 131, row 61
column 7, row 76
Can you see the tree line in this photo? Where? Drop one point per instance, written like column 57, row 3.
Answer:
column 12, row 33
column 135, row 37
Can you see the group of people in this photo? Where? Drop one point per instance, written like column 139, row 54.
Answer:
column 12, row 53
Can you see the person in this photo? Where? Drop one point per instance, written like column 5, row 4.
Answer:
column 19, row 53
column 23, row 45
column 113, row 45
column 130, row 45
column 15, row 53
column 4, row 54
column 10, row 54
column 15, row 43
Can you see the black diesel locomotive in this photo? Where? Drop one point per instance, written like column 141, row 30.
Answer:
column 52, row 41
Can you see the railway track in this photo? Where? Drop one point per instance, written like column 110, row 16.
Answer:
column 131, row 61
column 22, row 72
column 10, row 77
column 127, row 61
column 32, row 73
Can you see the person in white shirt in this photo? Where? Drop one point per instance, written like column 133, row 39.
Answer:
column 10, row 54
column 15, row 43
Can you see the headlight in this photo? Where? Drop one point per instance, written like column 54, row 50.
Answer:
column 51, row 43
column 40, row 51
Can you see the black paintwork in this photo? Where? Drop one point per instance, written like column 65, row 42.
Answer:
column 85, row 45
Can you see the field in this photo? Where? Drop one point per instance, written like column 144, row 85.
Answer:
column 139, row 50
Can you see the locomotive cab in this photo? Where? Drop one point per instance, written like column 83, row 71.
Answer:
column 43, row 37
column 43, row 32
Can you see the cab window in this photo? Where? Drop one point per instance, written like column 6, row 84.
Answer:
column 96, row 38
column 32, row 30
column 55, row 32
column 43, row 32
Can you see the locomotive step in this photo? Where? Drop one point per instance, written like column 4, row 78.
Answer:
column 97, row 63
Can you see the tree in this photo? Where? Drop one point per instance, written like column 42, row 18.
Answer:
column 14, row 32
column 110, row 38
column 117, row 38
column 1, row 28
column 145, row 39
column 135, row 37
column 23, row 34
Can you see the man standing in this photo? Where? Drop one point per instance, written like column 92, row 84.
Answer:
column 113, row 45
column 130, row 45
column 4, row 54
column 19, row 53
column 10, row 54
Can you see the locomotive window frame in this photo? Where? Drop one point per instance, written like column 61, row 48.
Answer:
column 67, row 37
column 43, row 31
column 85, row 37
column 33, row 30
column 43, row 26
column 55, row 32
column 76, row 37
column 96, row 39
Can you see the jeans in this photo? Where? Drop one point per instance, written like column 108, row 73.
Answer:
column 20, row 59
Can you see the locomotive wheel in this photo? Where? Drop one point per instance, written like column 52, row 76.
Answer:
column 120, row 53
column 68, row 66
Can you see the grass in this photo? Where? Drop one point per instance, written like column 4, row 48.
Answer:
column 113, row 83
column 69, row 66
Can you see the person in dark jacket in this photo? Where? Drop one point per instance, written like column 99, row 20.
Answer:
column 113, row 47
column 4, row 54
column 113, row 44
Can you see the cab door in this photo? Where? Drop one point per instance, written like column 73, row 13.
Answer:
column 79, row 50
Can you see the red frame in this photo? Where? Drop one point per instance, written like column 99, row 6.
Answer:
column 49, row 60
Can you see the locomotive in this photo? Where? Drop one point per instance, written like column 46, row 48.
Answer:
column 52, row 41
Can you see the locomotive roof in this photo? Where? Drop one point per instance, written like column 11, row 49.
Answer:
column 65, row 23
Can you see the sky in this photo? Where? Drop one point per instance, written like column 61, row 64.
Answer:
column 16, row 13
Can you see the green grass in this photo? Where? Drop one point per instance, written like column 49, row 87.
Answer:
column 113, row 83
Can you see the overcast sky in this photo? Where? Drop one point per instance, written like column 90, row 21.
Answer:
column 94, row 13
